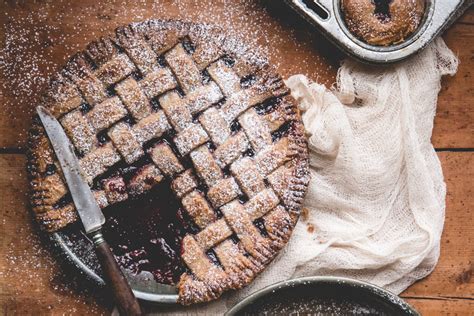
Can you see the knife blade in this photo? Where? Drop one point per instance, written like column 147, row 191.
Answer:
column 86, row 205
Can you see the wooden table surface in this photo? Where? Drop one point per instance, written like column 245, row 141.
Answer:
column 38, row 36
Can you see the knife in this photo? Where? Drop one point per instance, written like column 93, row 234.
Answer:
column 91, row 215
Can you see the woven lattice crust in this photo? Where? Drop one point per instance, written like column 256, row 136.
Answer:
column 164, row 92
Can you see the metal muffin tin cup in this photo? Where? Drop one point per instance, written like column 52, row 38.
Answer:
column 327, row 16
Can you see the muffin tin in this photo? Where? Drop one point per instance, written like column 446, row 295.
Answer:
column 326, row 15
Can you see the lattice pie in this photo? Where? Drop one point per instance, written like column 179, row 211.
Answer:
column 166, row 106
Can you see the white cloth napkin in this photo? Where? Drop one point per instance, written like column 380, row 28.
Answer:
column 376, row 201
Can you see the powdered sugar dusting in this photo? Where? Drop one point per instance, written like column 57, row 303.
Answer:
column 32, row 266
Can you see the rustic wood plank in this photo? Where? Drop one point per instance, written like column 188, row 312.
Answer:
column 453, row 274
column 436, row 307
column 450, row 287
column 454, row 122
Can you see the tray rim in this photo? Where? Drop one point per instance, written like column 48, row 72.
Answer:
column 374, row 289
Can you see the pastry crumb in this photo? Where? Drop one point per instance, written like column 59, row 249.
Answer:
column 304, row 214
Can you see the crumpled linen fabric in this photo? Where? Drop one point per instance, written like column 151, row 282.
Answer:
column 375, row 206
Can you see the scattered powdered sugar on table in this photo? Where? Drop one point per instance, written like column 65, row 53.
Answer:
column 29, row 264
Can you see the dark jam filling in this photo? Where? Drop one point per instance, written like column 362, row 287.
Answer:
column 145, row 233
column 382, row 9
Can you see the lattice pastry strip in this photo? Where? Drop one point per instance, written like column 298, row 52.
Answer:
column 248, row 234
column 241, row 102
column 261, row 203
column 158, row 82
column 176, row 111
column 256, row 130
column 152, row 126
column 205, row 165
column 79, row 130
column 184, row 68
column 231, row 149
column 136, row 47
column 208, row 50
column 248, row 177
column 125, row 142
column 213, row 234
column 223, row 192
column 197, row 206
column 215, row 125
column 184, row 183
column 225, row 77
column 116, row 69
column 273, row 156
column 99, row 161
column 145, row 179
column 92, row 89
column 275, row 119
column 191, row 137
column 200, row 99
column 163, row 156
column 62, row 97
column 104, row 114
column 134, row 99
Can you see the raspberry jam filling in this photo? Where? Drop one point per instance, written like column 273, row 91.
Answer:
column 145, row 233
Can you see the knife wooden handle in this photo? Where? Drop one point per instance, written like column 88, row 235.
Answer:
column 127, row 303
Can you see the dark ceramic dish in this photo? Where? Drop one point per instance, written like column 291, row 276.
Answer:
column 322, row 296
